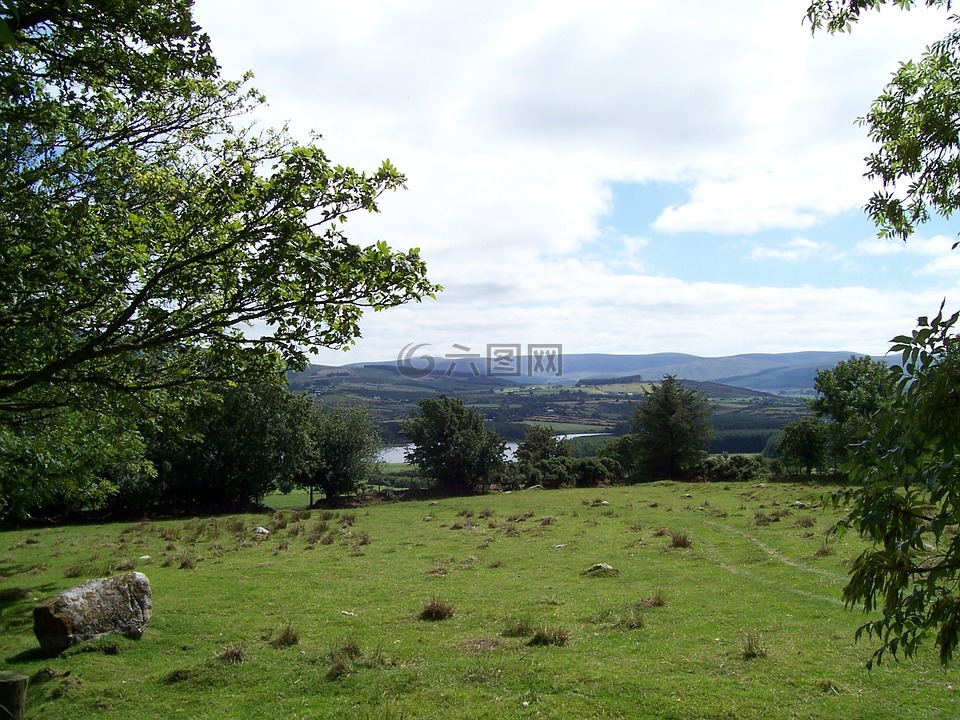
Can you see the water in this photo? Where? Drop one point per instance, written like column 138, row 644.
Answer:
column 395, row 454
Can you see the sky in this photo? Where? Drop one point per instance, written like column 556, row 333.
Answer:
column 634, row 176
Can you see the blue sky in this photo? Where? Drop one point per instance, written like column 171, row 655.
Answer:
column 618, row 176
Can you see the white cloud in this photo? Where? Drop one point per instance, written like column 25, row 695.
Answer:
column 795, row 250
column 512, row 119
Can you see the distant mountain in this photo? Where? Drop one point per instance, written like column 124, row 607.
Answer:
column 779, row 373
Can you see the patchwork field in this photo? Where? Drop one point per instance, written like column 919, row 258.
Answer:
column 723, row 602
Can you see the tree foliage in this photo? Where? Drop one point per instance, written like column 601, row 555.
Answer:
column 673, row 429
column 145, row 225
column 541, row 443
column 452, row 447
column 913, row 122
column 344, row 443
column 907, row 495
column 803, row 444
column 908, row 499
column 224, row 450
column 849, row 396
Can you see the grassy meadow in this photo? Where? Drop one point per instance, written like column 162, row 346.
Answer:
column 723, row 602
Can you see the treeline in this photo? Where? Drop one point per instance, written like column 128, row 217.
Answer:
column 223, row 448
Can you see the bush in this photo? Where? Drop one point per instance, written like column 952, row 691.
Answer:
column 733, row 468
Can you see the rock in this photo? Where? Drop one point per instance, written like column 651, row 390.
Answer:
column 261, row 531
column 798, row 504
column 117, row 605
column 686, row 495
column 601, row 570
column 535, row 487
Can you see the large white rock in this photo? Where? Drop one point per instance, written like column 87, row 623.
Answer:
column 116, row 605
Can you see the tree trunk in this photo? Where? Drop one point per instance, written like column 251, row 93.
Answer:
column 13, row 695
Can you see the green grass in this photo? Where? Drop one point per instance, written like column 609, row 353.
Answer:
column 674, row 633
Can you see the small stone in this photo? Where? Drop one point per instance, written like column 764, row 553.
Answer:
column 687, row 495
column 261, row 531
column 601, row 570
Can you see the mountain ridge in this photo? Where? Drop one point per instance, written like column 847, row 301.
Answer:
column 783, row 373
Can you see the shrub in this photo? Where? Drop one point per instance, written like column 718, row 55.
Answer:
column 732, row 468
column 436, row 609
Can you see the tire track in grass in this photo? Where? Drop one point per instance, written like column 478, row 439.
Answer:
column 835, row 578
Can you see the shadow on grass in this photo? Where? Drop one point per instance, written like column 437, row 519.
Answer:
column 27, row 656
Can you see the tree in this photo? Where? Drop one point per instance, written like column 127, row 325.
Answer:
column 803, row 443
column 144, row 227
column 907, row 500
column 451, row 446
column 343, row 448
column 673, row 429
column 224, row 451
column 850, row 395
column 541, row 443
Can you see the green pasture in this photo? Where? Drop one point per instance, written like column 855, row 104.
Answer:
column 724, row 602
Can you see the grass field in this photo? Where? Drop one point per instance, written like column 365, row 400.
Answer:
column 322, row 620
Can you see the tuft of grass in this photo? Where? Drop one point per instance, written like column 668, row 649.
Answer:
column 805, row 522
column 287, row 637
column 436, row 609
column 549, row 636
column 679, row 539
column 517, row 627
column 235, row 654
column 347, row 657
column 823, row 551
column 654, row 601
column 753, row 647
column 15, row 594
column 632, row 618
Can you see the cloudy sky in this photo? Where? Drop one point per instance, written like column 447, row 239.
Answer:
column 630, row 176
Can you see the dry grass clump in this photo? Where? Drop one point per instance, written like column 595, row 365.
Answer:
column 549, row 636
column 15, row 594
column 806, row 522
column 517, row 627
column 234, row 654
column 654, row 601
column 347, row 657
column 679, row 539
column 753, row 647
column 287, row 637
column 436, row 609
column 823, row 551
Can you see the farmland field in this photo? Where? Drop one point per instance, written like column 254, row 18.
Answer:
column 322, row 619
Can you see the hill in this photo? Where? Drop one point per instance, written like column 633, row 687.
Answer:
column 775, row 373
